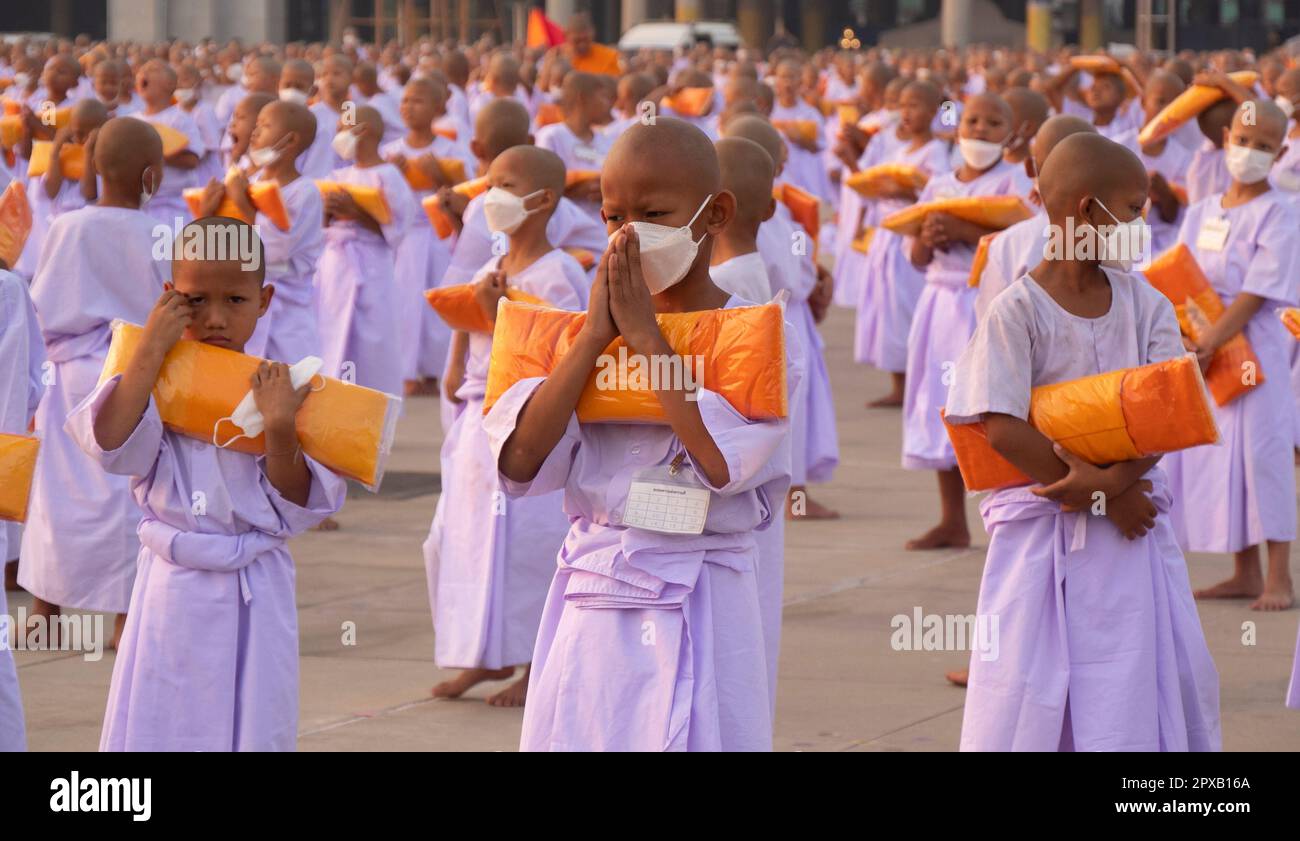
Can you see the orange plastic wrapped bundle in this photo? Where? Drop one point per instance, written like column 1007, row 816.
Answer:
column 1176, row 274
column 441, row 224
column 452, row 169
column 579, row 176
column 805, row 130
column 457, row 306
column 346, row 427
column 848, row 114
column 1187, row 106
column 738, row 353
column 264, row 196
column 584, row 257
column 17, row 467
column 693, row 102
column 1095, row 64
column 1291, row 319
column 981, row 258
column 987, row 211
column 15, row 222
column 548, row 113
column 11, row 124
column 72, row 159
column 804, row 207
column 1115, row 416
column 870, row 181
column 448, row 132
column 173, row 141
column 369, row 199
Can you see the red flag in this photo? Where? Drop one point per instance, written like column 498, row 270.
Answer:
column 542, row 31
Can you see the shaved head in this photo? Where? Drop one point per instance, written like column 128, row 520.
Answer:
column 667, row 150
column 1087, row 164
column 500, row 124
column 759, row 131
column 1027, row 106
column 1269, row 120
column 124, row 149
column 1053, row 131
column 747, row 171
column 537, row 168
column 370, row 117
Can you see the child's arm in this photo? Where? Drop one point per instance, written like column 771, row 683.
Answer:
column 932, row 236
column 184, row 159
column 959, row 229
column 123, row 408
column 89, row 184
column 456, row 369
column 488, row 291
column 53, row 180
column 1233, row 321
column 543, row 420
column 213, row 193
column 278, row 401
column 633, row 310
column 340, row 205
column 1222, row 81
column 237, row 189
column 1057, row 89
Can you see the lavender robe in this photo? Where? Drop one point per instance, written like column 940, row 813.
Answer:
column 209, row 656
column 289, row 331
column 1099, row 644
column 80, row 544
column 490, row 557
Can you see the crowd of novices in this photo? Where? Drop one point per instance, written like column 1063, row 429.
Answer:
column 614, row 636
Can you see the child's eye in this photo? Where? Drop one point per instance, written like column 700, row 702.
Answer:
column 237, row 299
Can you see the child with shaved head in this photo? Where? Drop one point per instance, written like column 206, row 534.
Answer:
column 489, row 557
column 584, row 99
column 1240, row 496
column 1286, row 175
column 99, row 263
column 737, row 265
column 356, row 282
column 156, row 82
column 1166, row 160
column 596, row 684
column 1100, row 645
column 805, row 168
column 334, row 89
column 945, row 312
column 189, row 98
column 1207, row 174
column 209, row 657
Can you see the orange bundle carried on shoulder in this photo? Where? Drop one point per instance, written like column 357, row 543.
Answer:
column 1095, row 64
column 441, row 224
column 369, row 199
column 1234, row 370
column 871, row 181
column 15, row 222
column 737, row 353
column 805, row 130
column 548, row 114
column 981, row 258
column 580, row 176
column 72, row 159
column 1188, row 105
column 848, row 114
column 457, row 306
column 804, row 207
column 1114, row 416
column 173, row 141
column 263, row 195
column 998, row 212
column 11, row 124
column 17, row 467
column 452, row 169
column 346, row 427
column 692, row 102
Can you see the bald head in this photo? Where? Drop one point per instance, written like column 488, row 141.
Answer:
column 1086, row 164
column 534, row 168
column 124, row 148
column 1027, row 106
column 500, row 124
column 1261, row 120
column 1053, row 131
column 371, row 119
column 668, row 151
column 759, row 131
column 287, row 117
column 747, row 171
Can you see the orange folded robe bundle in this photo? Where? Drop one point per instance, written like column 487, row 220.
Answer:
column 981, row 259
column 1188, row 105
column 578, row 176
column 441, row 224
column 452, row 169
column 457, row 306
column 369, row 199
column 1116, row 416
column 1234, row 370
column 11, row 124
column 804, row 207
column 693, row 102
column 15, row 222
column 870, row 181
column 805, row 130
column 737, row 353
column 17, row 467
column 988, row 211
column 1095, row 64
column 584, row 257
column 549, row 113
column 849, row 114
column 346, row 427
column 1291, row 319
column 263, row 195
column 72, row 159
column 173, row 141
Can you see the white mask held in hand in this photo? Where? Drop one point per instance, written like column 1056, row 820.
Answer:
column 1126, row 244
column 504, row 211
column 293, row 95
column 246, row 415
column 666, row 252
column 979, row 154
column 1249, row 166
column 345, row 144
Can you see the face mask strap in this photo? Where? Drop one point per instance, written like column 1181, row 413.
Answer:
column 216, row 428
column 700, row 210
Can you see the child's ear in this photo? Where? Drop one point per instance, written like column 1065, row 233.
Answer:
column 722, row 211
column 268, row 292
column 476, row 149
column 1227, row 131
column 168, row 286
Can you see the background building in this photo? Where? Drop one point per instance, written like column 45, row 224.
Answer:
column 1201, row 24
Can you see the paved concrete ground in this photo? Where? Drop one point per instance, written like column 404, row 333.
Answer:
column 842, row 687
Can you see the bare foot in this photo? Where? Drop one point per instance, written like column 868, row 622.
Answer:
column 889, row 401
column 11, row 576
column 468, row 679
column 119, row 625
column 1274, row 599
column 426, row 387
column 327, row 524
column 1236, row 587
column 941, row 537
column 513, row 695
column 800, row 506
column 958, row 677
column 44, row 615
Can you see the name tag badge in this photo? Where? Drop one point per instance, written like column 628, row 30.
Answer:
column 586, row 153
column 1213, row 235
column 667, row 500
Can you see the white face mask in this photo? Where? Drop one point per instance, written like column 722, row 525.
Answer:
column 1287, row 106
column 1249, row 166
column 246, row 415
column 146, row 192
column 185, row 95
column 269, row 154
column 234, row 72
column 505, row 211
column 345, row 144
column 979, row 154
column 22, row 80
column 667, row 253
column 293, row 95
column 1126, row 243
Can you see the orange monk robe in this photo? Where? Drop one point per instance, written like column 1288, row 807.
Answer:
column 599, row 59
